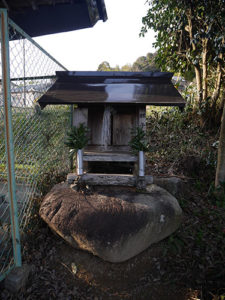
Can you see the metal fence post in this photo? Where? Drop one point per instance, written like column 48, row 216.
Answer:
column 9, row 136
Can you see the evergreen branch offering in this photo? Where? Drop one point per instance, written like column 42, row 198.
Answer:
column 77, row 138
column 138, row 141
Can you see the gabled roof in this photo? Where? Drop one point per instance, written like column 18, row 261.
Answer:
column 40, row 17
column 150, row 88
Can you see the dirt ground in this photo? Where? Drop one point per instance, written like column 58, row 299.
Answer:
column 187, row 265
column 62, row 272
column 138, row 278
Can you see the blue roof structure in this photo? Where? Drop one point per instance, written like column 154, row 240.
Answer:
column 90, row 88
column 41, row 17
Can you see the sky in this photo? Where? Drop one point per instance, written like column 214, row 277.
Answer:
column 116, row 40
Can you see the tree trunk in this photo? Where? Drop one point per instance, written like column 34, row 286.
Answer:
column 198, row 77
column 219, row 111
column 197, row 67
column 218, row 81
column 204, row 70
column 214, row 111
column 220, row 170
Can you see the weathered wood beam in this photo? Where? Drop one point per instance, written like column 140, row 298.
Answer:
column 113, row 157
column 80, row 115
column 108, row 179
column 142, row 117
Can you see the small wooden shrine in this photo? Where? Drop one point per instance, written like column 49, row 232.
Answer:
column 110, row 104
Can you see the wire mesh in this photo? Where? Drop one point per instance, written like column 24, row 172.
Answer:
column 38, row 135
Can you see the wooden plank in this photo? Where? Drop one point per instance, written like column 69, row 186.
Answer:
column 80, row 115
column 123, row 157
column 122, row 126
column 95, row 125
column 106, row 126
column 142, row 117
column 114, row 149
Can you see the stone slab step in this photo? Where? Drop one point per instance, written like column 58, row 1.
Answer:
column 108, row 179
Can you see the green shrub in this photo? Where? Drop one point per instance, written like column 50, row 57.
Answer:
column 77, row 138
column 138, row 141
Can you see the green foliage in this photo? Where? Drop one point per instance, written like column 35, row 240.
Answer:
column 190, row 39
column 178, row 146
column 174, row 244
column 104, row 66
column 170, row 19
column 38, row 142
column 77, row 138
column 217, row 195
column 145, row 63
column 138, row 141
column 49, row 178
column 142, row 64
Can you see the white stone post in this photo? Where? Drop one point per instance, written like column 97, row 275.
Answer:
column 141, row 163
column 80, row 162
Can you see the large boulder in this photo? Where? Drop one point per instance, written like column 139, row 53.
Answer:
column 113, row 223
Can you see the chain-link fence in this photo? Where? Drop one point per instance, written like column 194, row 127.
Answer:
column 38, row 135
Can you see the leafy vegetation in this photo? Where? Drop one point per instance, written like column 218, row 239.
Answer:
column 178, row 146
column 190, row 262
column 142, row 64
column 138, row 141
column 38, row 143
column 195, row 253
column 187, row 265
column 190, row 40
column 77, row 138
